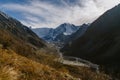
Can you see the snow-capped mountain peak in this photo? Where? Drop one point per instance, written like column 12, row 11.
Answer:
column 51, row 34
column 66, row 29
column 62, row 34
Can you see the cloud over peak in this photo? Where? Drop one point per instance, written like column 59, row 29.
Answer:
column 51, row 13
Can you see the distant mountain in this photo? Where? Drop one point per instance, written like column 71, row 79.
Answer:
column 42, row 32
column 101, row 42
column 61, row 35
column 17, row 36
column 58, row 34
column 66, row 29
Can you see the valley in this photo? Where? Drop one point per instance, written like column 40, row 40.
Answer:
column 25, row 56
column 59, row 40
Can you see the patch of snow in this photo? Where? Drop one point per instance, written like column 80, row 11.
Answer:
column 65, row 33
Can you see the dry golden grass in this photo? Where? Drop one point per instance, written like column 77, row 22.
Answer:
column 79, row 72
column 42, row 66
column 83, row 73
column 8, row 73
column 16, row 67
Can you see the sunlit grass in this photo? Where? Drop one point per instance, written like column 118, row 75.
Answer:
column 16, row 67
column 42, row 66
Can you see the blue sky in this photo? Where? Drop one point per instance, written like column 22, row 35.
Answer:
column 11, row 12
column 13, row 1
column 51, row 13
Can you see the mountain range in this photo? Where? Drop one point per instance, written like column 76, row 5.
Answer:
column 61, row 35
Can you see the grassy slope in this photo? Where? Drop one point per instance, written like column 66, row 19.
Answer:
column 16, row 67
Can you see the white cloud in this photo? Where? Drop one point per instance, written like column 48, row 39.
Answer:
column 45, row 14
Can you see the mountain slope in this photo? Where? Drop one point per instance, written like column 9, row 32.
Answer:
column 101, row 42
column 15, row 35
column 17, row 67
